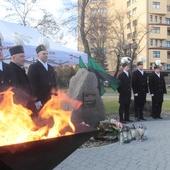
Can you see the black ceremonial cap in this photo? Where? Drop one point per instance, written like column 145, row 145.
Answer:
column 157, row 67
column 40, row 48
column 16, row 49
column 125, row 64
column 139, row 63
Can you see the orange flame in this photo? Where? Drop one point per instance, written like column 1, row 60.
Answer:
column 17, row 126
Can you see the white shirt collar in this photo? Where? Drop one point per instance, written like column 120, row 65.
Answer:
column 127, row 73
column 141, row 71
column 1, row 67
column 44, row 64
column 158, row 74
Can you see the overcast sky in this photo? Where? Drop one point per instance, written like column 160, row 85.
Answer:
column 53, row 6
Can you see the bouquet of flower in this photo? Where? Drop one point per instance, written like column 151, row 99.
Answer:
column 107, row 131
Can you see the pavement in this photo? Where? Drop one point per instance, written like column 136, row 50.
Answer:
column 150, row 154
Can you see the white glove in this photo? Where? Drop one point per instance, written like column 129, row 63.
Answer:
column 136, row 94
column 152, row 94
column 38, row 105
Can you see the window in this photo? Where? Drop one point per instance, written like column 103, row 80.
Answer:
column 156, row 30
column 135, row 23
column 134, row 10
column 167, row 66
column 167, row 43
column 128, row 25
column 151, row 42
column 160, row 19
column 93, row 10
column 156, row 42
column 156, row 4
column 167, row 20
column 93, row 40
column 128, row 3
column 168, row 32
column 156, row 19
column 103, row 20
column 103, row 10
column 168, row 7
column 128, row 14
column 103, row 1
column 104, row 50
column 93, row 1
column 151, row 18
column 160, row 41
column 129, row 36
column 156, row 54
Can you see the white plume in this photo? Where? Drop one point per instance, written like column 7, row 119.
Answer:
column 158, row 62
column 45, row 42
column 125, row 60
column 18, row 39
column 1, row 37
column 142, row 58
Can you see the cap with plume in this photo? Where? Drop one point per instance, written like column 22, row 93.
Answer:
column 18, row 39
column 141, row 60
column 125, row 61
column 44, row 41
column 157, row 64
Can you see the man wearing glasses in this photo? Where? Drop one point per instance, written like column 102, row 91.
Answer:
column 42, row 78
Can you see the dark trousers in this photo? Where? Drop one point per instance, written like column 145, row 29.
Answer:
column 124, row 108
column 139, row 110
column 156, row 109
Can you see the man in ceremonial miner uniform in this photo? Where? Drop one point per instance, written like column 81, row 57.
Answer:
column 157, row 89
column 124, row 91
column 42, row 77
column 140, row 89
column 20, row 83
column 5, row 72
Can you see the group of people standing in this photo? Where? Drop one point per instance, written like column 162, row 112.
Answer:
column 34, row 87
column 140, row 84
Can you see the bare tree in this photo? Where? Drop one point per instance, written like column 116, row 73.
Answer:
column 23, row 12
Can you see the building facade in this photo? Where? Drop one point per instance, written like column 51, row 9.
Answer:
column 147, row 23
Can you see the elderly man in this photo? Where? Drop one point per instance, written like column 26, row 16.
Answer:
column 20, row 83
column 42, row 77
column 5, row 72
column 157, row 89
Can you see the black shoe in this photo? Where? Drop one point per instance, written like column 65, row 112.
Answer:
column 128, row 120
column 154, row 117
column 122, row 121
column 159, row 117
column 143, row 119
column 137, row 119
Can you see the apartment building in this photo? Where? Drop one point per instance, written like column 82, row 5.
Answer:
column 148, row 24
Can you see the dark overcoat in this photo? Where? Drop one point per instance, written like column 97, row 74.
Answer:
column 157, row 87
column 42, row 81
column 125, row 88
column 140, row 86
column 20, row 78
column 5, row 77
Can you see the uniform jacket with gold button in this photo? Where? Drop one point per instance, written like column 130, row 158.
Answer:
column 42, row 81
column 5, row 77
column 157, row 87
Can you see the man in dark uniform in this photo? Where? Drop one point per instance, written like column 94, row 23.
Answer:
column 20, row 83
column 5, row 72
column 42, row 77
column 124, row 93
column 157, row 89
column 140, row 90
